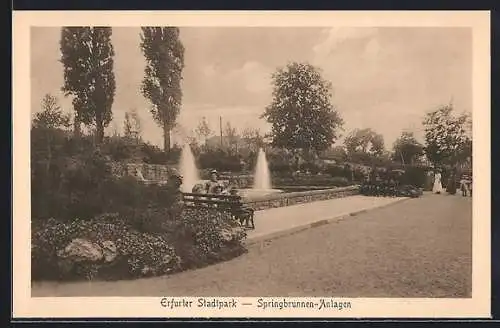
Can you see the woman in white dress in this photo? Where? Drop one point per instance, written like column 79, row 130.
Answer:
column 438, row 187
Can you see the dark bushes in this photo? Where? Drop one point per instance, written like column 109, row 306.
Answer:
column 312, row 180
column 154, row 155
column 198, row 238
column 220, row 160
column 86, row 223
column 414, row 176
column 83, row 187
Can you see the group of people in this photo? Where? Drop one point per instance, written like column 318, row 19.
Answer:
column 243, row 213
column 451, row 183
column 212, row 186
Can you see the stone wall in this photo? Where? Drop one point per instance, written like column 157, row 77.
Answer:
column 153, row 172
column 287, row 199
column 239, row 181
column 246, row 180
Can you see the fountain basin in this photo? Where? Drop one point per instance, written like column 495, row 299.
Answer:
column 281, row 199
column 254, row 193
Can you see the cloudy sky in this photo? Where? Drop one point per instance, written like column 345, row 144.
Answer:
column 383, row 78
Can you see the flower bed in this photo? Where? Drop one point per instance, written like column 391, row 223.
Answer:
column 109, row 247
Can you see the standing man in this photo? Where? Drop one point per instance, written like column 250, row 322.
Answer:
column 466, row 185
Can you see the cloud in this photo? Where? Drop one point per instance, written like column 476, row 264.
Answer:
column 209, row 71
column 383, row 78
column 255, row 77
column 336, row 36
column 246, row 84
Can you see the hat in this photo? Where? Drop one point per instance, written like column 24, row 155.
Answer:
column 214, row 172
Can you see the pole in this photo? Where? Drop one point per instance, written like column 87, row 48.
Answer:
column 402, row 159
column 220, row 128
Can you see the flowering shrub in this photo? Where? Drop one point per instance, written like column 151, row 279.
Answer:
column 198, row 237
column 150, row 234
column 204, row 236
column 137, row 253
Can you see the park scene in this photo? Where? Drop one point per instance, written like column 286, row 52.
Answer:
column 289, row 190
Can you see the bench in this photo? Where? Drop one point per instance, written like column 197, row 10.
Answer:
column 231, row 204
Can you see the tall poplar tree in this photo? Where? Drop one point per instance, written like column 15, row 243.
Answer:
column 87, row 56
column 164, row 54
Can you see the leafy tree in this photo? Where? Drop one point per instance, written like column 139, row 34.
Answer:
column 232, row 136
column 164, row 54
column 87, row 56
column 447, row 139
column 132, row 125
column 203, row 130
column 253, row 137
column 51, row 116
column 192, row 141
column 337, row 153
column 128, row 130
column 365, row 141
column 48, row 129
column 406, row 148
column 136, row 123
column 301, row 114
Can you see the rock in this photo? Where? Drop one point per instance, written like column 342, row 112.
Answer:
column 167, row 258
column 146, row 270
column 81, row 250
column 109, row 251
column 227, row 235
column 232, row 234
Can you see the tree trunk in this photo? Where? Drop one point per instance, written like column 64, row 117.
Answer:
column 99, row 133
column 402, row 159
column 77, row 128
column 166, row 137
column 49, row 153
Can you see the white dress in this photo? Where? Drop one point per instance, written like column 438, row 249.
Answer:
column 438, row 188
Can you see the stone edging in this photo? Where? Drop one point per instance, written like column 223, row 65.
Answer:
column 300, row 197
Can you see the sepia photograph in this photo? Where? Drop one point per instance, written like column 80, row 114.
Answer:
column 301, row 166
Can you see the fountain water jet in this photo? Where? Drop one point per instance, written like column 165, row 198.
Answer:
column 262, row 179
column 188, row 170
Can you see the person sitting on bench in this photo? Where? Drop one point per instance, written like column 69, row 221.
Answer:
column 243, row 213
column 213, row 186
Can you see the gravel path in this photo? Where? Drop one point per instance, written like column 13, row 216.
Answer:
column 415, row 248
